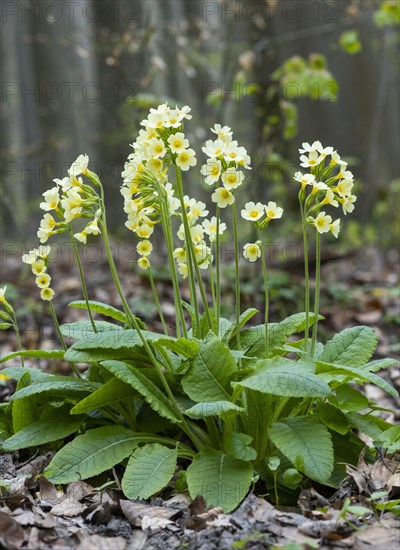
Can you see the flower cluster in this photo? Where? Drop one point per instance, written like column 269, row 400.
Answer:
column 225, row 159
column 70, row 199
column 38, row 259
column 260, row 214
column 145, row 181
column 329, row 183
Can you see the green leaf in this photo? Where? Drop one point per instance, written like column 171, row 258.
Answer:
column 82, row 329
column 331, row 370
column 91, row 454
column 111, row 344
column 72, row 388
column 138, row 380
column 99, row 307
column 350, row 399
column 352, row 347
column 287, row 378
column 41, row 432
column 379, row 364
column 307, row 444
column 149, row 470
column 42, row 354
column 36, row 375
column 243, row 319
column 278, row 333
column 208, row 378
column 111, row 392
column 239, row 446
column 223, row 481
column 181, row 346
column 258, row 404
column 365, row 424
column 333, row 418
column 215, row 408
column 24, row 412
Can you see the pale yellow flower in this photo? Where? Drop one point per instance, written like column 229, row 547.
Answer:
column 251, row 251
column 252, row 211
column 47, row 294
column 273, row 211
column 144, row 263
column 178, row 142
column 38, row 267
column 144, row 248
column 335, row 228
column 223, row 197
column 43, row 280
column 186, row 159
column 323, row 222
column 51, row 199
column 232, row 178
column 2, row 294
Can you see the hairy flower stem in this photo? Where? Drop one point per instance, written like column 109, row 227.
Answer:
column 189, row 244
column 83, row 283
column 58, row 329
column 133, row 322
column 218, row 270
column 237, row 280
column 317, row 292
column 307, row 278
column 212, row 284
column 266, row 292
column 157, row 301
column 179, row 316
column 18, row 336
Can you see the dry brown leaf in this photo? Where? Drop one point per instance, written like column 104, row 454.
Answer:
column 11, row 532
column 96, row 542
column 67, row 508
column 136, row 511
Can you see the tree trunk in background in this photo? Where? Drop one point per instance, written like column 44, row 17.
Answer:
column 93, row 63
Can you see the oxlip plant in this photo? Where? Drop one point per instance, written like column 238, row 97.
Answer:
column 226, row 403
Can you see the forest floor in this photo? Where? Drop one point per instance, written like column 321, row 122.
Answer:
column 360, row 288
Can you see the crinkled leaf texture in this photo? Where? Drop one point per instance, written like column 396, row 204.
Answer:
column 307, row 444
column 278, row 333
column 43, row 431
column 138, row 380
column 149, row 470
column 99, row 307
column 286, row 378
column 215, row 408
column 221, row 479
column 37, row 353
column 111, row 392
column 208, row 379
column 352, row 347
column 92, row 453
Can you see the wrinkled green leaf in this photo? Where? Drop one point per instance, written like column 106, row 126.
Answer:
column 352, row 347
column 111, row 392
column 92, row 453
column 99, row 307
column 288, row 378
column 222, row 480
column 43, row 431
column 208, row 378
column 307, row 444
column 239, row 446
column 139, row 381
column 215, row 408
column 149, row 470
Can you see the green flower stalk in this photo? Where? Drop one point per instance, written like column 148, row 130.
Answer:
column 260, row 214
column 10, row 319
